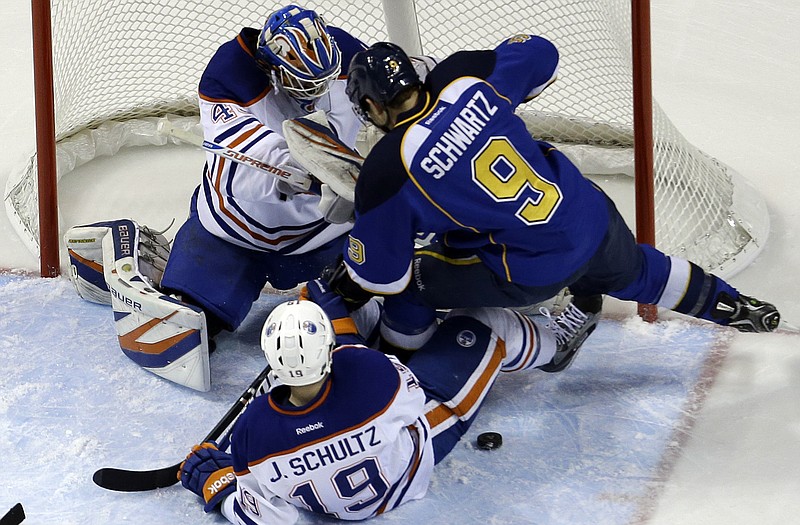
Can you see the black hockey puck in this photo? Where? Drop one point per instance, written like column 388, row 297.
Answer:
column 490, row 440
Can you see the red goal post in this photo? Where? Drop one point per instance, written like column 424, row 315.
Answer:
column 122, row 65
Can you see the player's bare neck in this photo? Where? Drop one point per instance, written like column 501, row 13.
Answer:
column 393, row 113
column 303, row 395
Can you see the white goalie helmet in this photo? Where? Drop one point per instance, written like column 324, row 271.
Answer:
column 297, row 339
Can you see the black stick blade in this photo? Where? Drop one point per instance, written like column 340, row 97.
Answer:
column 136, row 480
column 15, row 516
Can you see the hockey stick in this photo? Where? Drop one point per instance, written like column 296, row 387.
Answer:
column 166, row 127
column 140, row 480
column 15, row 516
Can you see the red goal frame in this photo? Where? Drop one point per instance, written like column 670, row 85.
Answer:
column 49, row 244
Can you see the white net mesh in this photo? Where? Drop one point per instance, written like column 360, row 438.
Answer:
column 120, row 65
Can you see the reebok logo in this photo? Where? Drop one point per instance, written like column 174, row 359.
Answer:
column 308, row 428
column 221, row 483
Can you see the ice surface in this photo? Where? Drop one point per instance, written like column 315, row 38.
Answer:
column 604, row 433
column 714, row 445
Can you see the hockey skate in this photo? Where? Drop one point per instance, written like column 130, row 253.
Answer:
column 571, row 329
column 746, row 314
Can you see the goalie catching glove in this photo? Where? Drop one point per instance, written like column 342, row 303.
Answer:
column 335, row 208
column 315, row 145
column 208, row 472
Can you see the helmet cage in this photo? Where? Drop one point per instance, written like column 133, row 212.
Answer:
column 297, row 340
column 296, row 46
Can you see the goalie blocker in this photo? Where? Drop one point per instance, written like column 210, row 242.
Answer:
column 120, row 264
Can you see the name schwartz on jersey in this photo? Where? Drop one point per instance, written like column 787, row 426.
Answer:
column 459, row 135
column 338, row 450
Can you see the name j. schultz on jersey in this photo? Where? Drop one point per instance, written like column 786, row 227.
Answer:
column 330, row 452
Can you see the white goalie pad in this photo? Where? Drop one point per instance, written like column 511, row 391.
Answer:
column 85, row 250
column 159, row 333
column 317, row 148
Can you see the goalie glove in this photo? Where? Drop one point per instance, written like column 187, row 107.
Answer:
column 335, row 208
column 85, row 249
column 208, row 472
column 295, row 183
column 316, row 146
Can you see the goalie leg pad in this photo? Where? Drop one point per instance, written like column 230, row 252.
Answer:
column 157, row 332
column 85, row 249
column 472, row 356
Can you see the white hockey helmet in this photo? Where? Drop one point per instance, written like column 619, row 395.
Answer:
column 297, row 340
column 297, row 48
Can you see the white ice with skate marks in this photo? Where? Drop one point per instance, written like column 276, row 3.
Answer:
column 593, row 444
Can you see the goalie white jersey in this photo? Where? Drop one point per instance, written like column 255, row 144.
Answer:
column 241, row 109
column 360, row 449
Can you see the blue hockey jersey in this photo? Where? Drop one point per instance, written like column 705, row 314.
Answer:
column 463, row 166
column 361, row 448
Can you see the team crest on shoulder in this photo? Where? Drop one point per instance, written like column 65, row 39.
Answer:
column 518, row 39
column 466, row 338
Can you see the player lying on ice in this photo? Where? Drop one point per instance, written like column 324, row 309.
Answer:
column 352, row 432
column 514, row 219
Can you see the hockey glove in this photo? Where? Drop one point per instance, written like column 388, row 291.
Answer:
column 334, row 208
column 334, row 307
column 208, row 472
column 298, row 176
column 340, row 282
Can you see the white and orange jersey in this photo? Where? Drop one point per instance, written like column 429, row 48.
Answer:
column 240, row 108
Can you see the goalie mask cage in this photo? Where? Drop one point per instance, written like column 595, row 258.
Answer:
column 121, row 66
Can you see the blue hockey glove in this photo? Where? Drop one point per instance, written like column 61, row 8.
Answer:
column 334, row 307
column 208, row 472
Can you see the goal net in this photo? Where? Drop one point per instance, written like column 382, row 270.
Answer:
column 121, row 66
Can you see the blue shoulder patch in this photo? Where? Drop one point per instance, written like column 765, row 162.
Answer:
column 348, row 46
column 232, row 74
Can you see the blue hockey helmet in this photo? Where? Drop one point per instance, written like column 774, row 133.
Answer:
column 296, row 47
column 379, row 73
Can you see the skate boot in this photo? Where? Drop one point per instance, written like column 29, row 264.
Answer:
column 571, row 329
column 746, row 314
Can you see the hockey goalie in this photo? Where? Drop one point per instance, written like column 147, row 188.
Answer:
column 120, row 263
